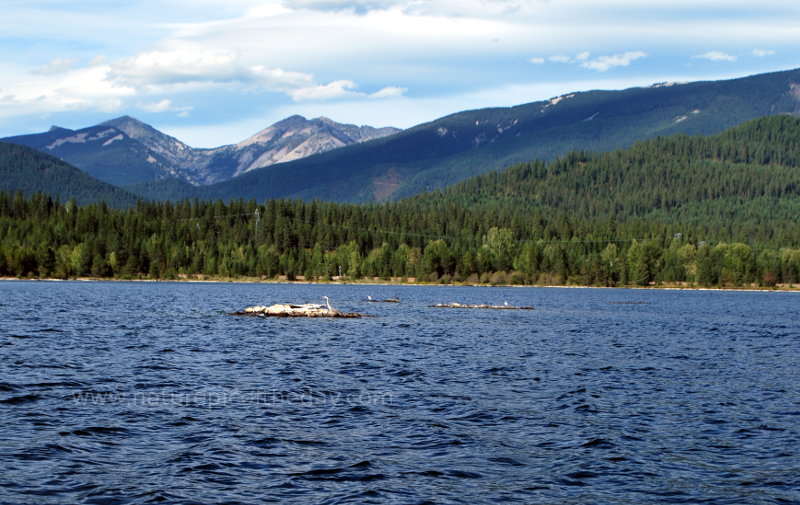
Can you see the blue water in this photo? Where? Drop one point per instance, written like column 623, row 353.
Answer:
column 153, row 393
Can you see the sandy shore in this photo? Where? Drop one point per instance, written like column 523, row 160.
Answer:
column 378, row 282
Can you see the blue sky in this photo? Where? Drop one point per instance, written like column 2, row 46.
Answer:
column 213, row 72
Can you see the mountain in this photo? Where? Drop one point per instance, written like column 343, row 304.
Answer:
column 442, row 152
column 126, row 151
column 175, row 159
column 102, row 151
column 296, row 137
column 291, row 139
column 29, row 171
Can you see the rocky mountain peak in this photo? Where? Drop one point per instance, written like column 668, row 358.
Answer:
column 294, row 122
column 297, row 137
column 136, row 129
column 328, row 121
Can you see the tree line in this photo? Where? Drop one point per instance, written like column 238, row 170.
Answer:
column 433, row 241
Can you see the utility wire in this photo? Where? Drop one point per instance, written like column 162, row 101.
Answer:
column 257, row 216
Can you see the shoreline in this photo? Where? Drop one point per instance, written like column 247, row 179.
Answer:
column 754, row 289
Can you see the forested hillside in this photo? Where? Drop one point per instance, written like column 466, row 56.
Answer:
column 701, row 211
column 30, row 171
column 741, row 185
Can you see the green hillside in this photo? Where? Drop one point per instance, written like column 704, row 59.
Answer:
column 743, row 183
column 29, row 171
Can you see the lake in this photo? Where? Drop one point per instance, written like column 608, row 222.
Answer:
column 116, row 392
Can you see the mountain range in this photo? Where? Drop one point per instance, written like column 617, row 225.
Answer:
column 437, row 154
column 361, row 164
column 126, row 151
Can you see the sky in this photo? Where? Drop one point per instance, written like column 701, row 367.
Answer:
column 214, row 72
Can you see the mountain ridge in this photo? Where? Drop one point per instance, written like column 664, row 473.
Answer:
column 125, row 150
column 436, row 154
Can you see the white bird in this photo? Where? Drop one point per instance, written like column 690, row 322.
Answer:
column 505, row 303
column 369, row 298
column 328, row 303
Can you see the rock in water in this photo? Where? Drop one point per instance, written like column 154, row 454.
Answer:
column 294, row 310
column 456, row 305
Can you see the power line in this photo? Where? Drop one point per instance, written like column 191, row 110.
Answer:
column 257, row 217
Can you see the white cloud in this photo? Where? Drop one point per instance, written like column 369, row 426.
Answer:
column 603, row 63
column 165, row 105
column 536, row 60
column 342, row 89
column 156, row 71
column 260, row 10
column 760, row 53
column 162, row 106
column 155, row 68
column 588, row 10
column 321, row 92
column 357, row 6
column 77, row 89
column 100, row 59
column 716, row 56
column 57, row 66
column 8, row 99
column 389, row 92
column 109, row 105
column 278, row 79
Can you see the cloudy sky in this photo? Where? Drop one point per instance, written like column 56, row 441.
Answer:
column 213, row 72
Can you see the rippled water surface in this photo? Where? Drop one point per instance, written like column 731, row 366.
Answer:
column 152, row 392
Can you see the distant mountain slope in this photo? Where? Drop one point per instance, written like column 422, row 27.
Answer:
column 127, row 151
column 29, row 171
column 175, row 159
column 739, row 183
column 291, row 139
column 104, row 152
column 297, row 137
column 453, row 148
